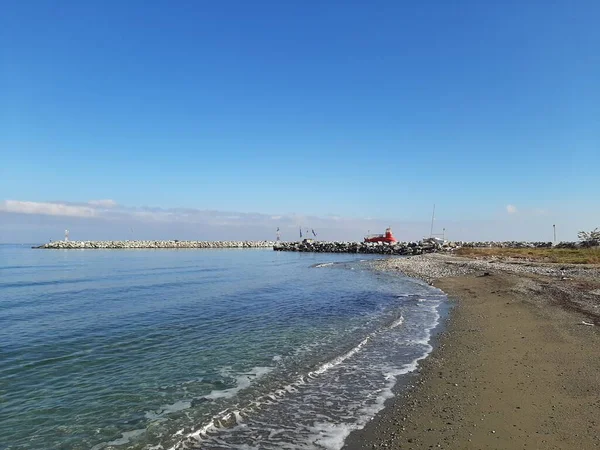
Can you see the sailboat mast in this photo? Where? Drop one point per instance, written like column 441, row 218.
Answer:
column 432, row 218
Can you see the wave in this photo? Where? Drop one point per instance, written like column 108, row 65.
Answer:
column 228, row 418
column 327, row 264
column 340, row 359
column 242, row 381
column 322, row 433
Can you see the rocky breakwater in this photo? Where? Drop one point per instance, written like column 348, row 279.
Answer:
column 408, row 248
column 399, row 248
column 505, row 244
column 67, row 245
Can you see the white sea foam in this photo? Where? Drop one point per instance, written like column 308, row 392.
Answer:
column 335, row 435
column 243, row 381
column 268, row 398
column 168, row 409
column 323, row 264
column 329, row 435
column 323, row 433
column 396, row 323
column 155, row 447
column 334, row 362
column 332, row 436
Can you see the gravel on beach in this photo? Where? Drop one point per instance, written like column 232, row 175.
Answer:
column 432, row 266
column 572, row 286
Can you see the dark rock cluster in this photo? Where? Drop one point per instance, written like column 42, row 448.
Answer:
column 504, row 244
column 407, row 248
column 399, row 248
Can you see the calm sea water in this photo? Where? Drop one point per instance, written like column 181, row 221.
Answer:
column 159, row 349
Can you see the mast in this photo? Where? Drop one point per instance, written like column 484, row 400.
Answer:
column 432, row 218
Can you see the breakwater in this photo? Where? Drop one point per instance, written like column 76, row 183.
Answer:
column 399, row 248
column 407, row 248
column 68, row 245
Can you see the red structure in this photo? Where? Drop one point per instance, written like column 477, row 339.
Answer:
column 387, row 237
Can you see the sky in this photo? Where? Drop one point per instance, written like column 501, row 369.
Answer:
column 225, row 120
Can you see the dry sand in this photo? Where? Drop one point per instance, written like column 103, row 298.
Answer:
column 516, row 366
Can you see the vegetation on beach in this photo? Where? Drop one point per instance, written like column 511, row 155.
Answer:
column 552, row 255
column 589, row 238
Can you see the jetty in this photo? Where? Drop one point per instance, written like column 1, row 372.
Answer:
column 428, row 245
column 124, row 245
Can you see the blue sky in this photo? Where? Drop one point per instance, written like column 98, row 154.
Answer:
column 348, row 109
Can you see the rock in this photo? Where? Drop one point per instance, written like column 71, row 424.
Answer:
column 66, row 245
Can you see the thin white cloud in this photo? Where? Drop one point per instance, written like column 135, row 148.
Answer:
column 110, row 211
column 47, row 209
column 27, row 221
column 106, row 203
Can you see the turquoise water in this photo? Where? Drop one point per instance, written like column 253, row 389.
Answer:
column 159, row 349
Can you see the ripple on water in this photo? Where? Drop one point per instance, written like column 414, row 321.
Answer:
column 166, row 349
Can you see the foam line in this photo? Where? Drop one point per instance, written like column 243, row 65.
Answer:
column 327, row 435
column 340, row 359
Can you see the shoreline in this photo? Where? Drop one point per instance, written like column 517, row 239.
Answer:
column 515, row 365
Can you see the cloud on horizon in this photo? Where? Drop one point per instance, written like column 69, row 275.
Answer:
column 106, row 219
column 107, row 203
column 111, row 210
column 28, row 221
column 47, row 208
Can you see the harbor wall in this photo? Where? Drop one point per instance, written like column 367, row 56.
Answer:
column 68, row 245
column 407, row 248
column 399, row 248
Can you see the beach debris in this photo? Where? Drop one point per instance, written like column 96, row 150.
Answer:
column 583, row 322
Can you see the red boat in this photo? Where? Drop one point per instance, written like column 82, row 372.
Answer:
column 387, row 237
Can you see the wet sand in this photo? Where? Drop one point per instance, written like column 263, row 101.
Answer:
column 517, row 366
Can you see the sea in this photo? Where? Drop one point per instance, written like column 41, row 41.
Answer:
column 202, row 348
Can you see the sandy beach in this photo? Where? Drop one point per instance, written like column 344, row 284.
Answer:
column 517, row 365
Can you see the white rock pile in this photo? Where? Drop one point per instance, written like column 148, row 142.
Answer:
column 67, row 245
